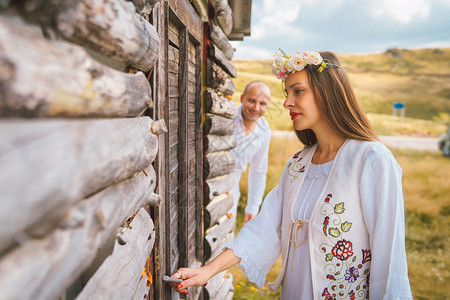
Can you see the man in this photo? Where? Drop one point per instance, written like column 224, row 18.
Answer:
column 253, row 138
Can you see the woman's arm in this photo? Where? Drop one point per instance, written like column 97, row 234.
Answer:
column 199, row 276
column 383, row 209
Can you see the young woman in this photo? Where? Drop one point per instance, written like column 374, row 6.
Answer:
column 337, row 215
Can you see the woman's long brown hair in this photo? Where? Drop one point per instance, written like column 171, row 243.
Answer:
column 337, row 103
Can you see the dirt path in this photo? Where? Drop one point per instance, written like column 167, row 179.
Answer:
column 410, row 142
column 403, row 142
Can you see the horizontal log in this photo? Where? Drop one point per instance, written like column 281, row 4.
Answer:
column 141, row 290
column 218, row 79
column 109, row 27
column 230, row 294
column 227, row 239
column 215, row 75
column 217, row 208
column 49, row 165
column 222, row 61
column 218, row 125
column 218, row 164
column 223, row 15
column 219, row 38
column 48, row 265
column 215, row 236
column 214, row 143
column 119, row 275
column 214, row 283
column 218, row 185
column 145, row 7
column 226, row 288
column 36, row 81
column 220, row 105
column 227, row 88
column 202, row 9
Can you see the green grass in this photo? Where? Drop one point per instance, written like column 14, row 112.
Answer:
column 427, row 205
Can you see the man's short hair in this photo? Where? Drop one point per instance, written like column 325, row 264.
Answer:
column 259, row 82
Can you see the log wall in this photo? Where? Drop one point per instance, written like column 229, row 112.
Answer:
column 219, row 140
column 78, row 143
column 111, row 173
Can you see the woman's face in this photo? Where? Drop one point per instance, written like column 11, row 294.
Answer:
column 304, row 112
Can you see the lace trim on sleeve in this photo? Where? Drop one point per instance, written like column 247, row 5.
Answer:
column 246, row 264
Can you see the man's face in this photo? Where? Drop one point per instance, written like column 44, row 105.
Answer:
column 255, row 102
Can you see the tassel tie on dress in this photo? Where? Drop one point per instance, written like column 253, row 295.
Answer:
column 296, row 226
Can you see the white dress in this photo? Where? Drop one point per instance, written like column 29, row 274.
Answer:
column 387, row 280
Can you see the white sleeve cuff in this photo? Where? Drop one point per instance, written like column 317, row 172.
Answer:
column 252, row 209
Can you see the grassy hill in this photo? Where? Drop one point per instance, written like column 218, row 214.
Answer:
column 418, row 78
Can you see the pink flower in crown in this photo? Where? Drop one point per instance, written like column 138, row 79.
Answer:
column 297, row 62
column 279, row 72
column 313, row 58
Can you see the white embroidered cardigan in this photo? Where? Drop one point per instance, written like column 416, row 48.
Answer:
column 337, row 233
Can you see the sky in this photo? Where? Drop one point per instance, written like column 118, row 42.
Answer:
column 344, row 26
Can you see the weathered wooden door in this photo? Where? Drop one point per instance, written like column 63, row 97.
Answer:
column 180, row 162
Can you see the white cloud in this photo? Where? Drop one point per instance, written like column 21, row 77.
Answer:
column 403, row 11
column 250, row 52
column 274, row 17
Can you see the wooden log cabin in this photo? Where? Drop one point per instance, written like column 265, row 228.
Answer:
column 115, row 136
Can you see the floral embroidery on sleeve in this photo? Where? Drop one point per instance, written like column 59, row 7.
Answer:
column 348, row 280
column 295, row 168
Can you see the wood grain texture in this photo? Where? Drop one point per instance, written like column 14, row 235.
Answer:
column 48, row 265
column 145, row 7
column 186, row 14
column 217, row 208
column 218, row 164
column 220, row 39
column 119, row 275
column 112, row 28
column 219, row 125
column 218, row 185
column 223, row 15
column 50, row 165
column 221, row 60
column 214, row 143
column 35, row 81
column 222, row 288
column 219, row 105
column 218, row 79
column 216, row 236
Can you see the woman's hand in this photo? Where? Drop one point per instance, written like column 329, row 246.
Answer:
column 191, row 277
column 198, row 277
column 247, row 218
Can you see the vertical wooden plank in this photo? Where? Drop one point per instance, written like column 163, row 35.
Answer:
column 192, row 220
column 182, row 146
column 199, row 153
column 163, row 109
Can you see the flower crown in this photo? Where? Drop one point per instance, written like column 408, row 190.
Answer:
column 286, row 64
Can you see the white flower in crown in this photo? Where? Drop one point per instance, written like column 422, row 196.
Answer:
column 296, row 63
column 279, row 67
column 313, row 58
column 286, row 64
column 279, row 62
